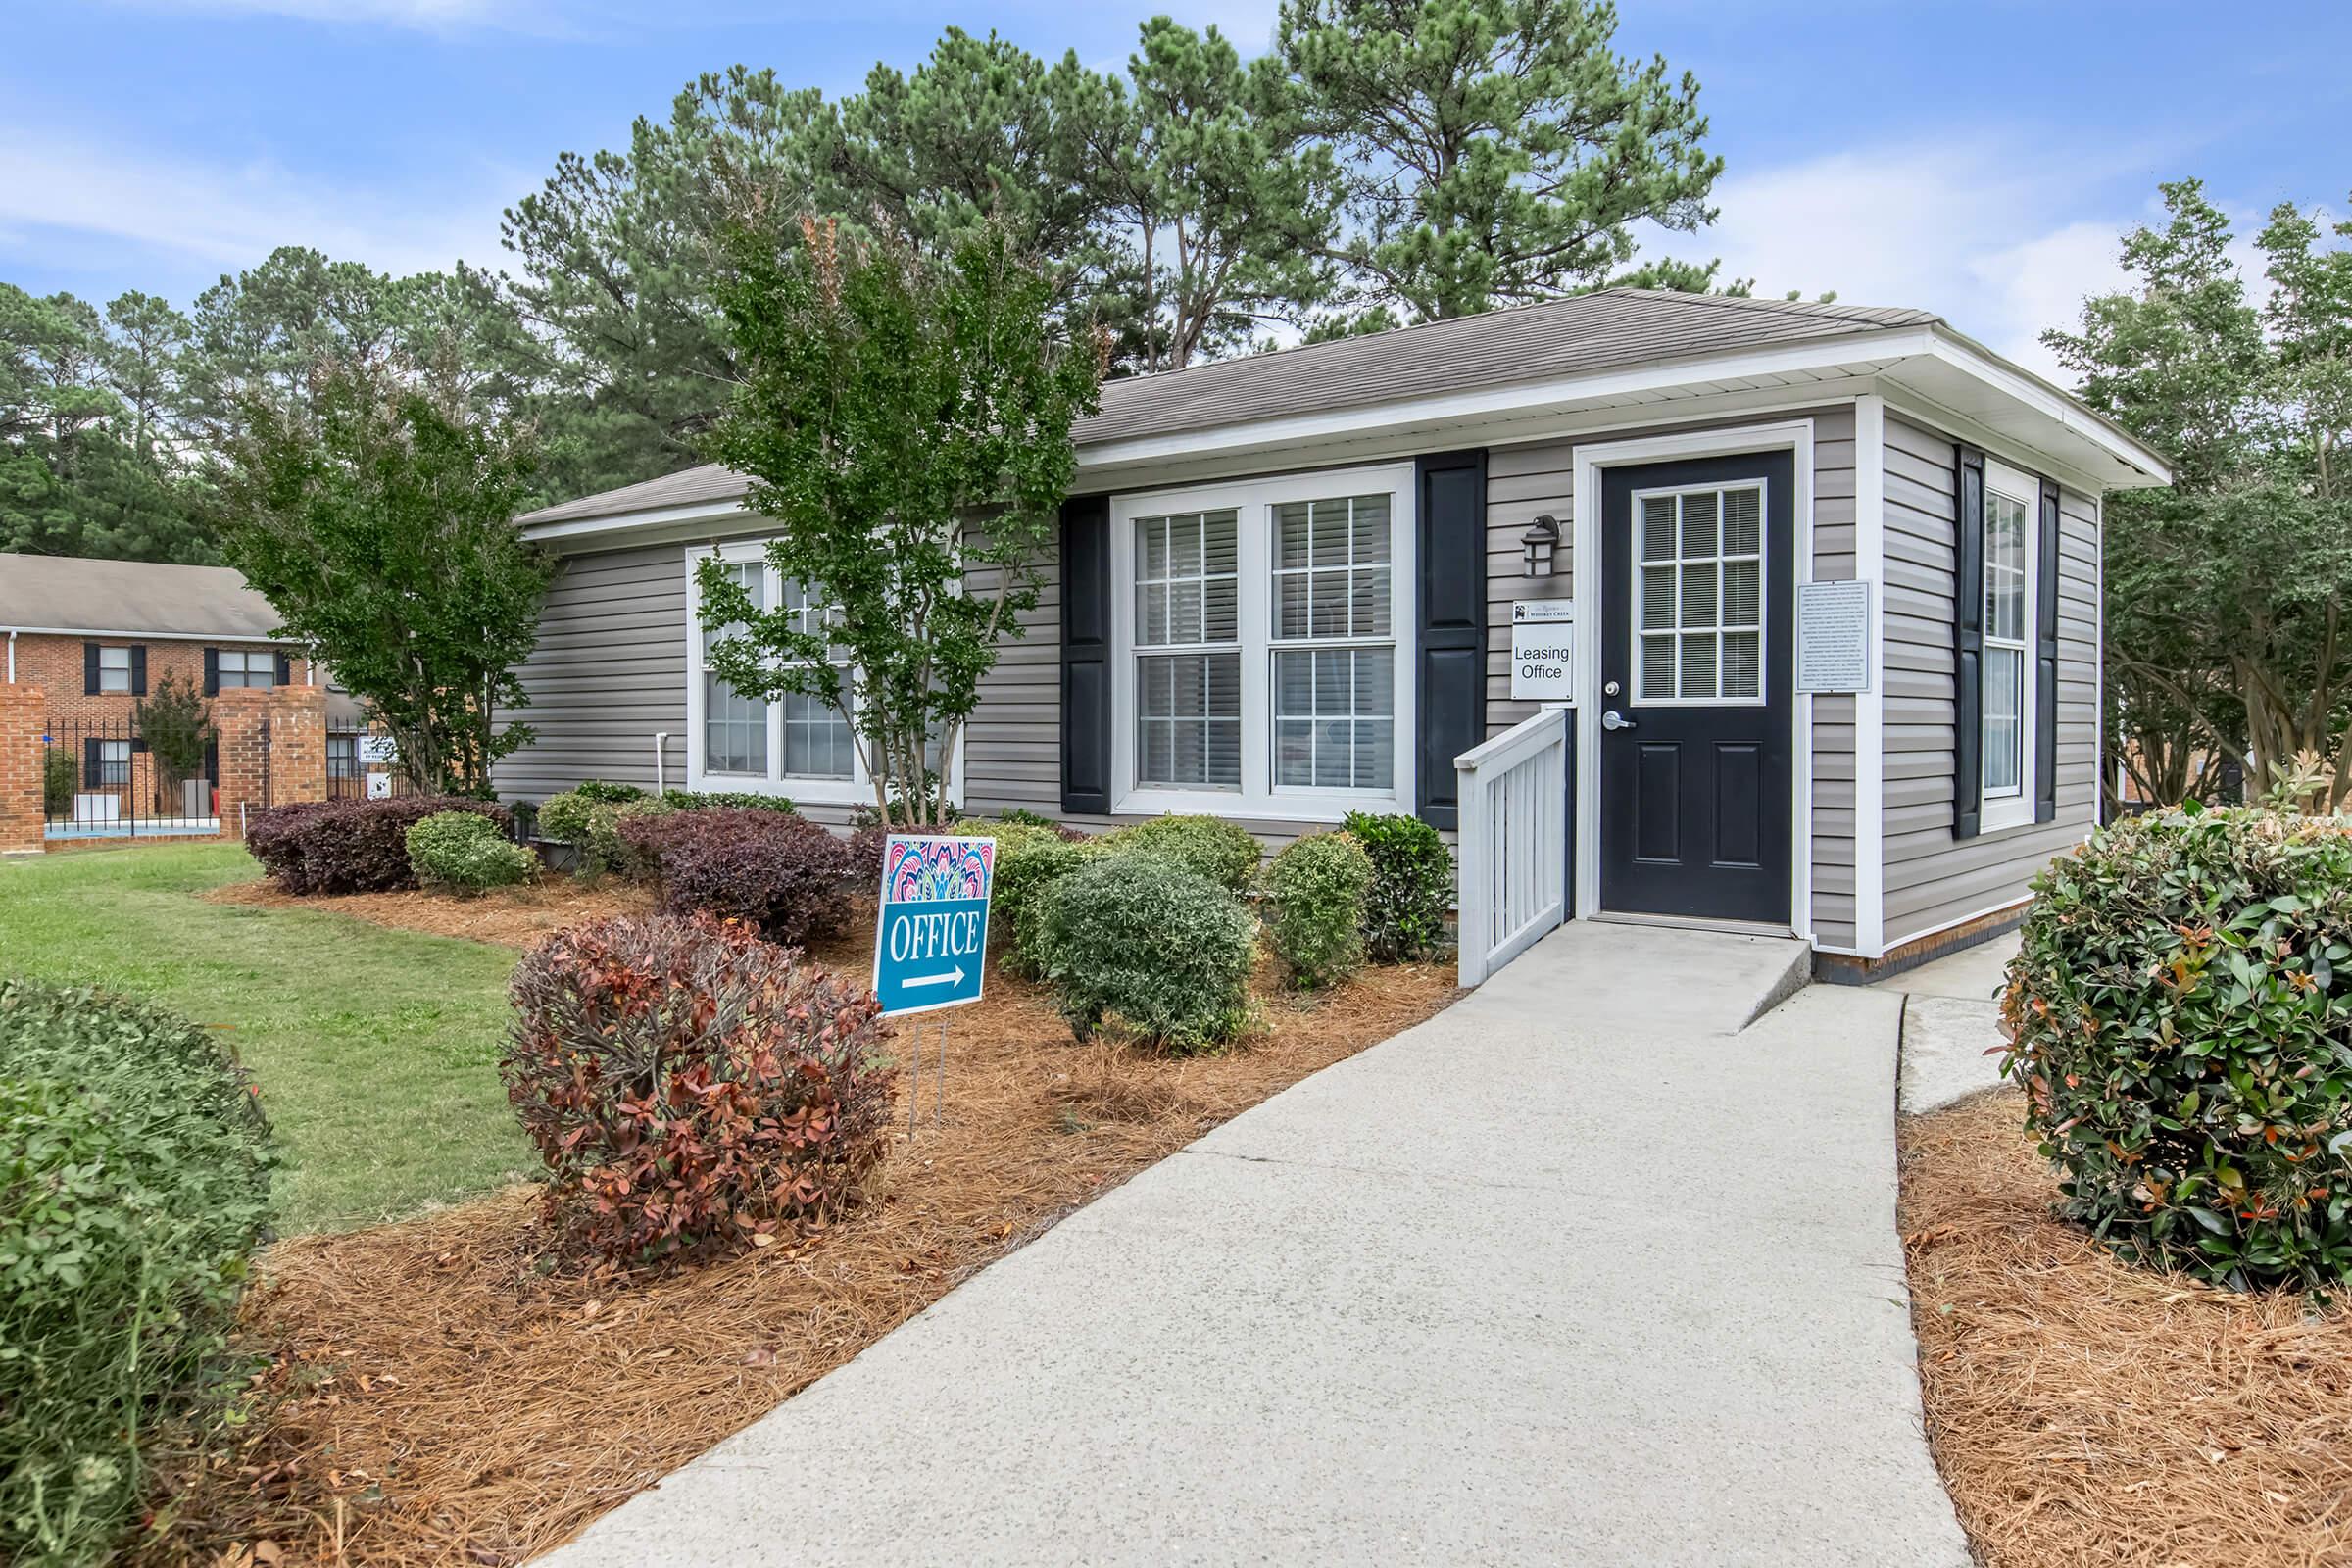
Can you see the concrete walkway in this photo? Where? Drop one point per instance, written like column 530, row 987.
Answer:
column 1575, row 1272
column 1952, row 1017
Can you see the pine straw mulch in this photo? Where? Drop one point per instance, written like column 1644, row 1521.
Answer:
column 440, row 1397
column 509, row 918
column 2084, row 1410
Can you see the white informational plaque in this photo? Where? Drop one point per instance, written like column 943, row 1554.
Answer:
column 1544, row 651
column 1833, row 636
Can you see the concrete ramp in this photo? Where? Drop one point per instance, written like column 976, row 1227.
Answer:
column 1564, row 1275
column 1685, row 982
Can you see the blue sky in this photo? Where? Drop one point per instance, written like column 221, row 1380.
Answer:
column 1974, row 158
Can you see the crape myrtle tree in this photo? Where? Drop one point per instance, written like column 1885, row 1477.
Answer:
column 2228, row 609
column 1496, row 152
column 905, row 422
column 375, row 514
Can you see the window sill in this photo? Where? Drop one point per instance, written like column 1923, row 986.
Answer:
column 1233, row 807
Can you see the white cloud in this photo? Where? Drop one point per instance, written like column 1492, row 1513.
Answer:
column 228, row 216
column 1988, row 234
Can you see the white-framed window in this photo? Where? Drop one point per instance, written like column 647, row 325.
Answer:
column 114, row 670
column 796, row 745
column 1699, row 582
column 2012, row 508
column 1261, row 672
column 114, row 763
column 241, row 667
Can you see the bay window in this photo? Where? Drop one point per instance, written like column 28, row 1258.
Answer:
column 1260, row 666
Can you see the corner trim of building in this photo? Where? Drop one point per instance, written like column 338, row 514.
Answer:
column 1869, row 705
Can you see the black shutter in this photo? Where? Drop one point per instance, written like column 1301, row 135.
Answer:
column 285, row 669
column 89, row 761
column 2045, row 674
column 211, row 760
column 212, row 673
column 1086, row 718
column 89, row 669
column 1449, row 661
column 1968, row 646
column 138, row 670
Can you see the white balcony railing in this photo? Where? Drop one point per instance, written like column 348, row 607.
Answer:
column 1512, row 841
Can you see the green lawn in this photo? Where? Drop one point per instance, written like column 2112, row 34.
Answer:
column 376, row 1050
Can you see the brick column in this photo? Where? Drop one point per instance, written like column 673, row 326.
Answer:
column 295, row 770
column 22, row 819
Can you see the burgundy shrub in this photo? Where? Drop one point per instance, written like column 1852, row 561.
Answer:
column 351, row 846
column 781, row 873
column 691, row 1087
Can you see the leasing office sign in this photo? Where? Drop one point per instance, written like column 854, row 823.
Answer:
column 931, row 936
column 1544, row 651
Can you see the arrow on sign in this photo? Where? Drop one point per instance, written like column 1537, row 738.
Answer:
column 952, row 978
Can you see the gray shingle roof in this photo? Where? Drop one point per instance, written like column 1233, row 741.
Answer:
column 1599, row 332
column 69, row 593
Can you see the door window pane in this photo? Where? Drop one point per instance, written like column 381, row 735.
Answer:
column 1701, row 582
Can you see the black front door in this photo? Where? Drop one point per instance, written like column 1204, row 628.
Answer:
column 1697, row 670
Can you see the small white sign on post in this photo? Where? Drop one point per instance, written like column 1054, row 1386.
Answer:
column 380, row 786
column 1544, row 651
column 1832, row 637
column 382, row 750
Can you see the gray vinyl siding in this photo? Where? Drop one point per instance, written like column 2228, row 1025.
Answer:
column 608, row 673
column 1523, row 481
column 1932, row 878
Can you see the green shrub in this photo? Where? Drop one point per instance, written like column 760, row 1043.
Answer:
column 134, row 1184
column 465, row 853
column 710, row 800
column 1412, row 885
column 565, row 817
column 2183, row 1032
column 1157, row 952
column 1225, row 852
column 61, row 776
column 607, row 794
column 1026, row 867
column 351, row 846
column 1316, row 891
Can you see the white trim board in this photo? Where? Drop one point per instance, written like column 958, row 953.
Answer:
column 1795, row 436
column 1869, row 705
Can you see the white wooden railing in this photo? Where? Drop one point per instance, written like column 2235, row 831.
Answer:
column 1512, row 846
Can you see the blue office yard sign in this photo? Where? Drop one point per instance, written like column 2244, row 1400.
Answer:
column 931, row 939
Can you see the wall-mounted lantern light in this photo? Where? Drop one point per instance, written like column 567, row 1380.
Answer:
column 1539, row 543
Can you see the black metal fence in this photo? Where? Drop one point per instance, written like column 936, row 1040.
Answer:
column 360, row 765
column 101, row 779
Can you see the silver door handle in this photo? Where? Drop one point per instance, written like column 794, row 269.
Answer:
column 1610, row 718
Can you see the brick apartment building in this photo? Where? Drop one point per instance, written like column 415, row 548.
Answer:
column 97, row 635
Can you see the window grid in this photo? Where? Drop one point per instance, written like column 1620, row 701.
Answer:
column 114, row 670
column 1700, row 590
column 817, row 743
column 1188, row 726
column 734, row 726
column 2006, row 524
column 240, row 667
column 1334, row 645
column 114, row 763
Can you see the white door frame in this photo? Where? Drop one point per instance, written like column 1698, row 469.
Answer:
column 1794, row 437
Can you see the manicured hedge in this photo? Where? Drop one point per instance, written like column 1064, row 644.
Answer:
column 352, row 846
column 1225, row 852
column 2180, row 1008
column 1316, row 907
column 692, row 1088
column 784, row 874
column 1152, row 947
column 1412, row 885
column 134, row 1184
column 465, row 852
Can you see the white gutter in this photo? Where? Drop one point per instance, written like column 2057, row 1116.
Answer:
column 151, row 636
